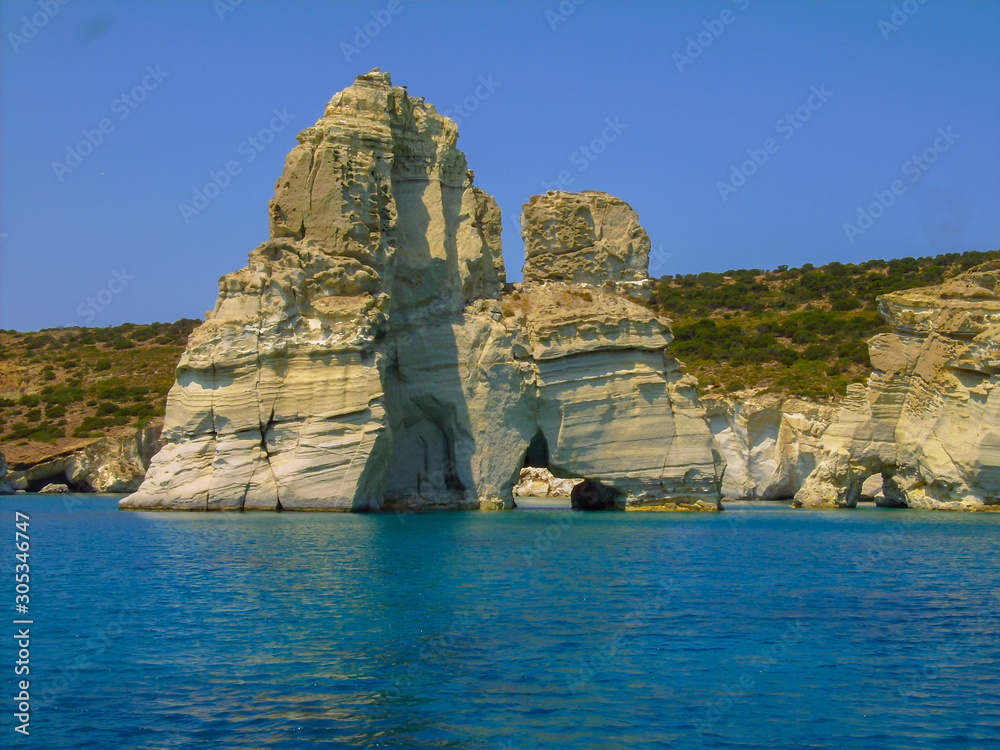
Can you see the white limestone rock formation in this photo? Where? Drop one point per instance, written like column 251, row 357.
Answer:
column 6, row 488
column 928, row 421
column 770, row 443
column 111, row 465
column 538, row 482
column 368, row 357
column 586, row 238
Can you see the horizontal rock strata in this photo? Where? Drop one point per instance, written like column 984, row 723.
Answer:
column 928, row 421
column 371, row 356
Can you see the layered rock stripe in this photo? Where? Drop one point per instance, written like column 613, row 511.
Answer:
column 371, row 355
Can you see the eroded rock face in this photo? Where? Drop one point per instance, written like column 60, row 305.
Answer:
column 6, row 488
column 589, row 238
column 110, row 465
column 928, row 421
column 537, row 482
column 771, row 444
column 370, row 357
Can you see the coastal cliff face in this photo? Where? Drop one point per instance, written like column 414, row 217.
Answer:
column 928, row 421
column 371, row 356
column 771, row 444
column 109, row 465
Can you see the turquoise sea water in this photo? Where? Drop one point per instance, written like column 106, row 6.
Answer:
column 761, row 627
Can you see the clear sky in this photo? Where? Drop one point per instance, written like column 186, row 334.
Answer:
column 746, row 133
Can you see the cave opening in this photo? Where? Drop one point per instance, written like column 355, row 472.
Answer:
column 537, row 454
column 554, row 488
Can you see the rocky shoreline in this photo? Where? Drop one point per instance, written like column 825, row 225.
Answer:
column 108, row 465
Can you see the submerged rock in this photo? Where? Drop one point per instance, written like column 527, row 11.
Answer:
column 371, row 355
column 928, row 420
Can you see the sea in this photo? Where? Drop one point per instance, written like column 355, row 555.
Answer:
column 758, row 627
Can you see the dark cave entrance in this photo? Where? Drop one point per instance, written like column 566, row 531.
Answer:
column 537, row 455
column 586, row 495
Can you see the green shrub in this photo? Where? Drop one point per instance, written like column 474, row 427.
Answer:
column 55, row 411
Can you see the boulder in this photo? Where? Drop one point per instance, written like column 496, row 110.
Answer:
column 591, row 495
column 54, row 488
column 539, row 482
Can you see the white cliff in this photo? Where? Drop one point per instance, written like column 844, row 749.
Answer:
column 928, row 421
column 770, row 443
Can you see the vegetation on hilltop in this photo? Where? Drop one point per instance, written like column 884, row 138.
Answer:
column 795, row 331
column 60, row 388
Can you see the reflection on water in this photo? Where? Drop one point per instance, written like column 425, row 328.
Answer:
column 777, row 629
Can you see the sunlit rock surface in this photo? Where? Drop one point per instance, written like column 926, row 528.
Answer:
column 928, row 421
column 371, row 356
column 770, row 444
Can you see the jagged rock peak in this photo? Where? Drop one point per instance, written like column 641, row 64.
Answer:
column 590, row 238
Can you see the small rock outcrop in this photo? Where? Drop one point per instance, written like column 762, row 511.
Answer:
column 928, row 421
column 536, row 482
column 372, row 356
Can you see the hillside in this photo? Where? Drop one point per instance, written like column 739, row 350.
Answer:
column 62, row 388
column 794, row 331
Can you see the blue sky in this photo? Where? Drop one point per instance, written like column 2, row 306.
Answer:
column 746, row 133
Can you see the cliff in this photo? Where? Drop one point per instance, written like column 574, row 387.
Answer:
column 110, row 465
column 927, row 421
column 371, row 356
column 770, row 443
